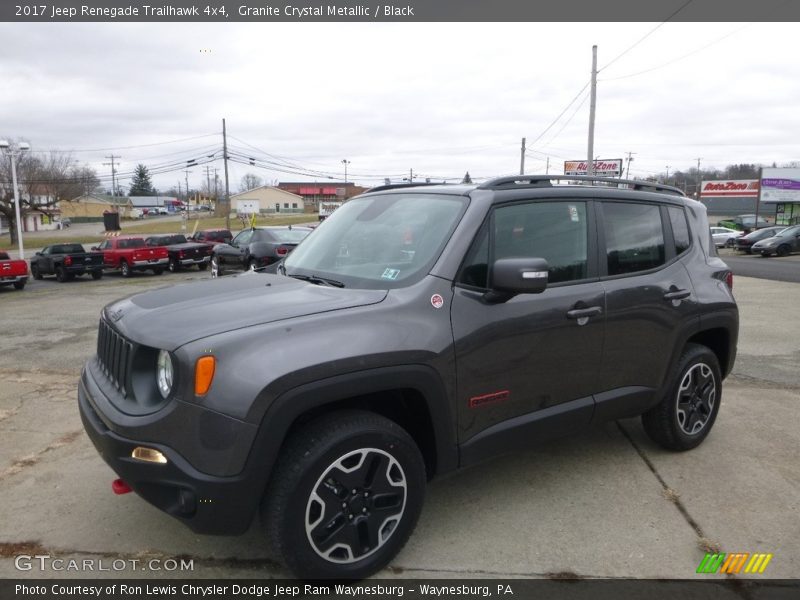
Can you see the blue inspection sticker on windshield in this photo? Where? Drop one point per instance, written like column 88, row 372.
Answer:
column 390, row 274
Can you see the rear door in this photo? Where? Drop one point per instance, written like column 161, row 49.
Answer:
column 650, row 301
column 527, row 367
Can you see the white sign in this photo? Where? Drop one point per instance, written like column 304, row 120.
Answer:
column 780, row 185
column 609, row 168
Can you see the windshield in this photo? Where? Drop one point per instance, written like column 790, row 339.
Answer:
column 381, row 241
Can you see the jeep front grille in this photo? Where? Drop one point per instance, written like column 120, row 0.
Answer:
column 114, row 353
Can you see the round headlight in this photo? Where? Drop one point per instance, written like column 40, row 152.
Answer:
column 164, row 373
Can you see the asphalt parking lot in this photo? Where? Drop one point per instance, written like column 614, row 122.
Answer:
column 606, row 503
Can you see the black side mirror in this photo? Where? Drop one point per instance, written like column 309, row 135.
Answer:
column 95, row 248
column 512, row 276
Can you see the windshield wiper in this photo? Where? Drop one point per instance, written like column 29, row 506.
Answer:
column 318, row 280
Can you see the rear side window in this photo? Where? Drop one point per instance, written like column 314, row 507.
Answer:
column 680, row 229
column 634, row 237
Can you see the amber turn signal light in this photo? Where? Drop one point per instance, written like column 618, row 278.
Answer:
column 204, row 374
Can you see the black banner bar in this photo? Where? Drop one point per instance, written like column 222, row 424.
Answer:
column 420, row 589
column 43, row 11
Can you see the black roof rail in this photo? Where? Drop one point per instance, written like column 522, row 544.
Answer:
column 392, row 186
column 520, row 181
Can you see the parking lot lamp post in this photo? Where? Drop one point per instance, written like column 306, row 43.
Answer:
column 13, row 152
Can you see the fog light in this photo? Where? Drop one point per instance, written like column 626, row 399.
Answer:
column 148, row 455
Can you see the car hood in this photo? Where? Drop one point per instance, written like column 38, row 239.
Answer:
column 767, row 242
column 170, row 317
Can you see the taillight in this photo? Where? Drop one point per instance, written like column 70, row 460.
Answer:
column 729, row 279
column 181, row 254
column 281, row 251
column 67, row 261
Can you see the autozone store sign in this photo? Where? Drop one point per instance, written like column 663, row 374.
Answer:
column 611, row 167
column 747, row 188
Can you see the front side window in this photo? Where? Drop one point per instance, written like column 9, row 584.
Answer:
column 381, row 241
column 554, row 231
column 243, row 238
column 634, row 237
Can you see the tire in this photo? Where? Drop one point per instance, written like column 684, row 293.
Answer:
column 61, row 274
column 765, row 254
column 174, row 267
column 252, row 264
column 216, row 268
column 361, row 470
column 158, row 271
column 783, row 250
column 686, row 414
column 19, row 285
column 125, row 269
column 35, row 272
column 202, row 266
column 729, row 243
column 97, row 275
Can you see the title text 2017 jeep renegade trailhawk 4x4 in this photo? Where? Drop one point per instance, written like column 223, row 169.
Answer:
column 417, row 330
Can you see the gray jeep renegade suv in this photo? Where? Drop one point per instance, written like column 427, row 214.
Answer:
column 419, row 329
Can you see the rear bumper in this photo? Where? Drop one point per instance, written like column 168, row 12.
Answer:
column 194, row 261
column 150, row 264
column 9, row 279
column 205, row 503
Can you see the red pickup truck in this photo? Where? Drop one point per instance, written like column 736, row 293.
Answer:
column 129, row 254
column 13, row 272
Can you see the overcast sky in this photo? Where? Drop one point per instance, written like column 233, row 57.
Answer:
column 441, row 99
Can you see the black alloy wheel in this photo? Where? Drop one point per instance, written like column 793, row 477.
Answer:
column 686, row 414
column 345, row 496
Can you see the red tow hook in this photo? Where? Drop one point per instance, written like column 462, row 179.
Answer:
column 120, row 487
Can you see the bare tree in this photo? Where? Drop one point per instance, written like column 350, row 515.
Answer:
column 249, row 182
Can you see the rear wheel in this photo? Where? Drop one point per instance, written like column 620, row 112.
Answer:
column 173, row 265
column 252, row 264
column 345, row 496
column 683, row 419
column 61, row 274
column 124, row 269
column 97, row 274
column 202, row 266
column 35, row 272
column 19, row 285
column 158, row 271
column 729, row 243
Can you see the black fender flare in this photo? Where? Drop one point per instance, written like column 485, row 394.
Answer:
column 284, row 410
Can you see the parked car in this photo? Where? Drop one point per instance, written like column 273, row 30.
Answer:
column 182, row 253
column 745, row 242
column 66, row 261
column 212, row 236
column 781, row 244
column 64, row 223
column 256, row 248
column 723, row 236
column 13, row 271
column 418, row 330
column 129, row 254
column 745, row 223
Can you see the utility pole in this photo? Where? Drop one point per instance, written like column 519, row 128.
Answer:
column 758, row 198
column 628, row 170
column 216, row 181
column 208, row 180
column 113, row 173
column 547, row 167
column 522, row 158
column 227, row 206
column 697, row 190
column 186, row 174
column 592, row 109
column 667, row 179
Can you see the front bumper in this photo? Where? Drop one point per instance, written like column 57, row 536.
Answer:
column 206, row 503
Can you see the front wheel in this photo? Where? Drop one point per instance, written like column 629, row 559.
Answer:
column 202, row 266
column 729, row 243
column 174, row 267
column 158, row 271
column 37, row 274
column 783, row 250
column 345, row 496
column 685, row 416
column 97, row 275
column 125, row 269
column 216, row 268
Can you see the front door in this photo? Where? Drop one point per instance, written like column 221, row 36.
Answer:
column 527, row 367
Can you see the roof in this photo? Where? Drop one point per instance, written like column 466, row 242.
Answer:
column 267, row 187
column 148, row 201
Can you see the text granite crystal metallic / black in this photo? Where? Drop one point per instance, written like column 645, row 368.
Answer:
column 417, row 330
